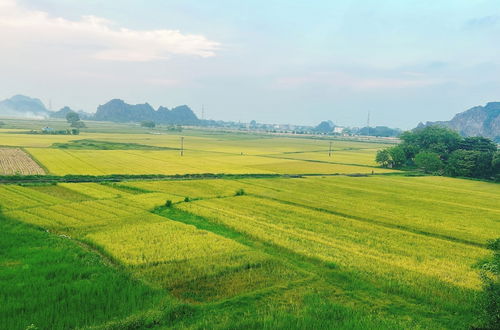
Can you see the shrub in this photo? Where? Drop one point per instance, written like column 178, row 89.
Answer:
column 168, row 203
column 187, row 199
column 240, row 192
column 490, row 275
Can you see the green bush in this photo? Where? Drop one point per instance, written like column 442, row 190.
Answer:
column 490, row 274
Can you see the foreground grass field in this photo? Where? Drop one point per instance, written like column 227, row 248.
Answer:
column 387, row 261
column 53, row 283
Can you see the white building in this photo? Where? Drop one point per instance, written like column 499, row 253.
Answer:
column 338, row 129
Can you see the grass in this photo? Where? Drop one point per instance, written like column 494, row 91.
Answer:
column 52, row 283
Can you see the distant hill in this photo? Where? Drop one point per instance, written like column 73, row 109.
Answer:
column 477, row 121
column 117, row 110
column 65, row 110
column 23, row 106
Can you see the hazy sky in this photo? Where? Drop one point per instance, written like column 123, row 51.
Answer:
column 273, row 61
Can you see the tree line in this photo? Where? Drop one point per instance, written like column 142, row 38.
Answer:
column 442, row 151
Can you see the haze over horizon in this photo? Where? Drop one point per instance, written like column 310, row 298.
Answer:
column 272, row 61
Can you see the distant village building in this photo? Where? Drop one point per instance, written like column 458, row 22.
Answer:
column 338, row 129
column 47, row 129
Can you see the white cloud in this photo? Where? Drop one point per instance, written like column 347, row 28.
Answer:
column 95, row 37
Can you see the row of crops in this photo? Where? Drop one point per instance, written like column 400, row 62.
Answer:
column 443, row 207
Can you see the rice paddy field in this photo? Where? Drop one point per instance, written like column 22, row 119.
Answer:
column 340, row 243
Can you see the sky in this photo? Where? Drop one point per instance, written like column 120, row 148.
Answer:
column 286, row 61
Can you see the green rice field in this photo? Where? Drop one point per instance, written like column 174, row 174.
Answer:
column 333, row 242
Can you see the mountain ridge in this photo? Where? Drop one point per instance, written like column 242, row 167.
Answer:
column 23, row 106
column 118, row 110
column 115, row 110
column 476, row 121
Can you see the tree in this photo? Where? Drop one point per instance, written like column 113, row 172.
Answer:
column 383, row 158
column 437, row 149
column 470, row 163
column 78, row 124
column 398, row 157
column 148, row 124
column 482, row 167
column 461, row 162
column 429, row 162
column 495, row 165
column 433, row 138
column 72, row 117
column 478, row 143
column 2, row 123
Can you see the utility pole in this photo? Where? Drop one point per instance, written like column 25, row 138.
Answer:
column 330, row 150
column 182, row 145
column 368, row 123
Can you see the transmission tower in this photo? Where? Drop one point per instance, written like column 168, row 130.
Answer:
column 368, row 123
